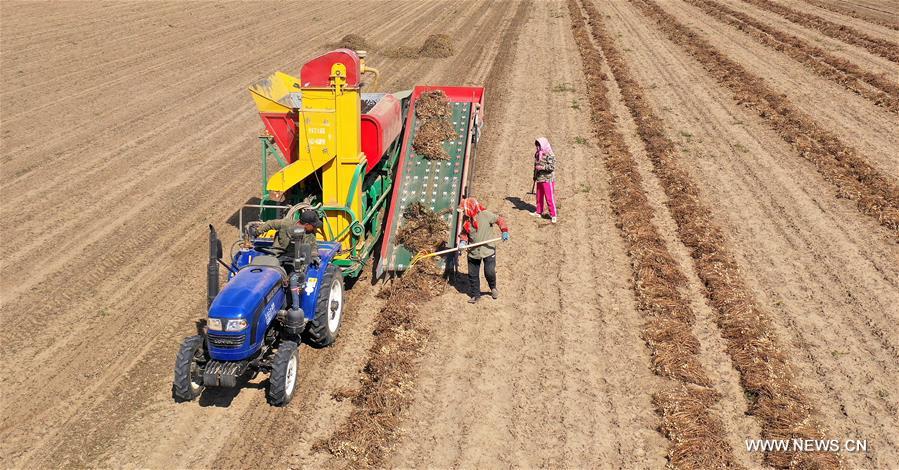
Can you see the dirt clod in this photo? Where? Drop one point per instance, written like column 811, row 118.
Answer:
column 354, row 42
column 437, row 46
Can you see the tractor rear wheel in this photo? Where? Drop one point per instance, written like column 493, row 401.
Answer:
column 188, row 383
column 283, row 380
column 325, row 325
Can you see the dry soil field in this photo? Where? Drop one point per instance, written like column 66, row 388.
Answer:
column 726, row 266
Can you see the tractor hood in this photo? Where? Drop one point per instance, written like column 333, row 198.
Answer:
column 245, row 293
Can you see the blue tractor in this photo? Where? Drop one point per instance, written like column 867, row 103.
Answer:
column 257, row 321
column 349, row 156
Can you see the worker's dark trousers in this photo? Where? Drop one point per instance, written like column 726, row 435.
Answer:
column 474, row 274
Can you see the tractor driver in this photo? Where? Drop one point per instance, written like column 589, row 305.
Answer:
column 310, row 222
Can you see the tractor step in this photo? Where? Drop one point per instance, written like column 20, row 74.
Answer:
column 223, row 374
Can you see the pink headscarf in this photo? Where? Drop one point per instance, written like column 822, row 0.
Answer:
column 545, row 148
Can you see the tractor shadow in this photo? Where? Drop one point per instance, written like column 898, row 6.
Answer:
column 222, row 397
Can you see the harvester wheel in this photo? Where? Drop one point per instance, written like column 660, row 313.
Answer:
column 325, row 325
column 188, row 383
column 283, row 380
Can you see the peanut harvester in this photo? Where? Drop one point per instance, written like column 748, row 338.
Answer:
column 347, row 155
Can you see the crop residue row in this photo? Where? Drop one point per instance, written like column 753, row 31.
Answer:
column 388, row 376
column 368, row 435
column 854, row 178
column 857, row 14
column 765, row 374
column 696, row 435
column 876, row 88
column 886, row 49
column 435, row 46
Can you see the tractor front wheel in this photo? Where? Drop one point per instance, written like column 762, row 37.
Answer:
column 325, row 325
column 283, row 379
column 188, row 383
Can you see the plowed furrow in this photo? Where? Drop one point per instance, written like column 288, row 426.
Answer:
column 821, row 269
column 168, row 65
column 122, row 61
column 86, row 42
column 367, row 435
column 81, row 24
column 858, row 12
column 874, row 87
column 765, row 372
column 166, row 165
column 161, row 130
column 883, row 48
column 840, row 164
column 684, row 404
column 102, row 267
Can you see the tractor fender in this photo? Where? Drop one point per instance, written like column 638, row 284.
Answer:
column 309, row 295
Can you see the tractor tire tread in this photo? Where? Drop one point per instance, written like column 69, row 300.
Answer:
column 317, row 334
column 276, row 394
column 181, row 389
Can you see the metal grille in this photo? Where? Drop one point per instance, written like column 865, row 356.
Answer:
column 434, row 183
column 226, row 341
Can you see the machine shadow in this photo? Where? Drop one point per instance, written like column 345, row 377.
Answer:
column 251, row 212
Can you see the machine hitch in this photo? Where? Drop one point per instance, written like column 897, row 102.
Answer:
column 223, row 374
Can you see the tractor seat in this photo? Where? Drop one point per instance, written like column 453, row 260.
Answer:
column 270, row 262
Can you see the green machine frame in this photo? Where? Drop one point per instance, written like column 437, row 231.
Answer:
column 364, row 234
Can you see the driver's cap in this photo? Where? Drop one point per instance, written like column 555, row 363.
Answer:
column 310, row 216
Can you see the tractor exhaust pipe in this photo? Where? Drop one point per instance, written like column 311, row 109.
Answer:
column 295, row 322
column 212, row 269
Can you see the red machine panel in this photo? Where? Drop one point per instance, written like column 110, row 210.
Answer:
column 317, row 72
column 283, row 127
column 380, row 127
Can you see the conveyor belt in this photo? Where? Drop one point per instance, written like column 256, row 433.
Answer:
column 438, row 184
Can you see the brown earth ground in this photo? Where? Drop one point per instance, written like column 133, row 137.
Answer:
column 828, row 274
column 126, row 128
column 882, row 11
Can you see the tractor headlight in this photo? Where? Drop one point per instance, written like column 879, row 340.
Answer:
column 214, row 324
column 236, row 325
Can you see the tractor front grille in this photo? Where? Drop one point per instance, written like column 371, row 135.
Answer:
column 226, row 341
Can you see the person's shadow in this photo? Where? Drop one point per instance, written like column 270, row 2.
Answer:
column 518, row 204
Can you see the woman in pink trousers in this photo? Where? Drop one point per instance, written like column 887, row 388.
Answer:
column 545, row 176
